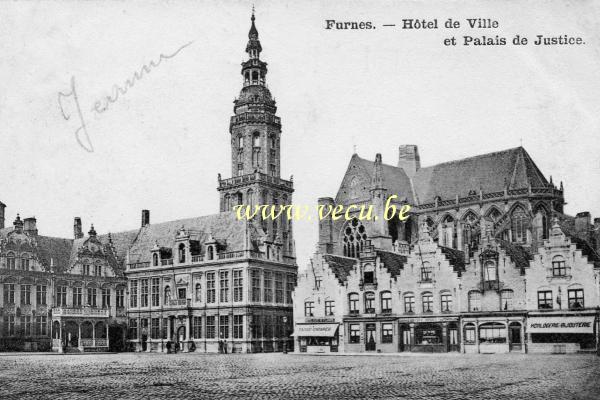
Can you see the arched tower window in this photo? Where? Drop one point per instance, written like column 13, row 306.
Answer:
column 470, row 231
column 447, row 237
column 181, row 253
column 519, row 225
column 355, row 237
column 256, row 139
column 240, row 142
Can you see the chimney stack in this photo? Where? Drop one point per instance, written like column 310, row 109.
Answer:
column 77, row 230
column 145, row 217
column 408, row 159
column 30, row 226
column 2, row 208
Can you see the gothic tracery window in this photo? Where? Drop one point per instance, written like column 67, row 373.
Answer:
column 355, row 236
column 519, row 225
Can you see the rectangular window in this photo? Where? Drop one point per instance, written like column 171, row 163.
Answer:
column 98, row 270
column 238, row 326
column 9, row 293
column 106, row 298
column 211, row 291
column 155, row 292
column 575, row 298
column 506, row 299
column 40, row 295
column 474, row 301
column 387, row 335
column 25, row 294
column 268, row 276
column 210, row 327
column 409, row 304
column 224, row 326
column 11, row 263
column 318, row 282
column 61, row 296
column 386, row 302
column 91, row 297
column 181, row 293
column 224, row 286
column 197, row 327
column 155, row 328
column 41, row 323
column 369, row 303
column 427, row 300
column 353, row 303
column 309, row 307
column 558, row 266
column 133, row 325
column 290, row 284
column 26, row 325
column 86, row 269
column 144, row 293
column 165, row 326
column 545, row 299
column 278, row 287
column 77, row 296
column 255, row 285
column 329, row 307
column 238, row 285
column 133, row 293
column 355, row 333
column 120, row 298
column 446, row 302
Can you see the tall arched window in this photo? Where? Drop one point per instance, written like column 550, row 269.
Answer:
column 25, row 262
column 369, row 303
column 256, row 139
column 490, row 271
column 427, row 300
column 181, row 253
column 355, row 236
column 227, row 202
column 155, row 259
column 494, row 214
column 519, row 225
column 167, row 295
column 250, row 198
column 386, row 302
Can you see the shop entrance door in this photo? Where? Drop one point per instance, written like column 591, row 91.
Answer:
column 370, row 338
column 515, row 336
column 405, row 338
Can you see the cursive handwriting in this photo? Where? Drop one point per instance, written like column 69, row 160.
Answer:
column 86, row 144
column 81, row 133
column 102, row 105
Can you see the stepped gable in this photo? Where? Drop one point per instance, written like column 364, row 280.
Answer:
column 491, row 172
column 224, row 227
column 393, row 263
column 456, row 259
column 518, row 254
column 340, row 266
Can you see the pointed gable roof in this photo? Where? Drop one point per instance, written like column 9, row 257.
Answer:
column 491, row 172
column 340, row 266
column 395, row 181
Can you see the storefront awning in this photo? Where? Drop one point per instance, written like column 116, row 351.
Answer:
column 315, row 330
column 551, row 324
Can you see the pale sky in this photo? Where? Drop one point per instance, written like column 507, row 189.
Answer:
column 161, row 145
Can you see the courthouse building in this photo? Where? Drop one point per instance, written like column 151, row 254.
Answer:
column 486, row 263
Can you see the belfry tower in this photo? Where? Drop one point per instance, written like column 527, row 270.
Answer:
column 255, row 149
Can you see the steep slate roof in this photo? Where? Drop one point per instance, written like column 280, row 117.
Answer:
column 490, row 172
column 518, row 254
column 393, row 262
column 340, row 266
column 225, row 228
column 395, row 180
column 456, row 259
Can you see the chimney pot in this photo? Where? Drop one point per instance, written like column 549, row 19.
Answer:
column 145, row 217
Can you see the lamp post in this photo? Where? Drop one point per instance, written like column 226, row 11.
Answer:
column 285, row 335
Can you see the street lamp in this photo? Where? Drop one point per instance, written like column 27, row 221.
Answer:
column 285, row 335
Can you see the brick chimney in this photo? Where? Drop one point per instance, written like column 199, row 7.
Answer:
column 2, row 209
column 30, row 226
column 408, row 159
column 145, row 217
column 77, row 230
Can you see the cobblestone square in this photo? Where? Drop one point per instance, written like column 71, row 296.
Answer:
column 279, row 376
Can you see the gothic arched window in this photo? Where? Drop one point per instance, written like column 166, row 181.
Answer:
column 470, row 230
column 256, row 139
column 519, row 225
column 447, row 238
column 355, row 237
column 494, row 214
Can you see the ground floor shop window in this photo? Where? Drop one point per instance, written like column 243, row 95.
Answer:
column 387, row 333
column 428, row 334
column 585, row 340
column 355, row 333
column 493, row 332
column 469, row 334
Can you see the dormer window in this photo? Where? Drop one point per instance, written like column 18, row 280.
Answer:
column 210, row 252
column 155, row 260
column 181, row 253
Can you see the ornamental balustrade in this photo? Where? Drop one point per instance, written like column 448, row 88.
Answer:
column 252, row 178
column 80, row 312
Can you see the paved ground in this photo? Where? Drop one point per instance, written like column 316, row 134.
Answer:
column 278, row 376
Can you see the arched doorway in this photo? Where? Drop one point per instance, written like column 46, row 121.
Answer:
column 180, row 338
column 71, row 334
column 87, row 332
column 514, row 336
